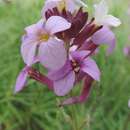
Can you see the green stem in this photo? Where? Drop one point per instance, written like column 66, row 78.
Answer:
column 74, row 119
column 126, row 122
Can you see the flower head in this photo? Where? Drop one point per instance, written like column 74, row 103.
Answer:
column 40, row 36
column 65, row 78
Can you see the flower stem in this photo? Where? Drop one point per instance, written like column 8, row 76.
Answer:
column 74, row 118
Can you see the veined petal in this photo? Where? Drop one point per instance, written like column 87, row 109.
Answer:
column 61, row 73
column 84, row 94
column 90, row 67
column 79, row 55
column 110, row 20
column 101, row 10
column 70, row 5
column 28, row 51
column 105, row 36
column 21, row 79
column 34, row 28
column 57, row 24
column 63, row 86
column 49, row 4
column 52, row 54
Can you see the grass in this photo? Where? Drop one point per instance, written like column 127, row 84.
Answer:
column 35, row 108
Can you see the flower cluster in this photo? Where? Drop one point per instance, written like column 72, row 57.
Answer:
column 63, row 41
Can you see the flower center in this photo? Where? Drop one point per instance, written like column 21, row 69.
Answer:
column 61, row 5
column 75, row 66
column 44, row 37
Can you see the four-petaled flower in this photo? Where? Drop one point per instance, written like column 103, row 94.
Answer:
column 39, row 40
column 65, row 78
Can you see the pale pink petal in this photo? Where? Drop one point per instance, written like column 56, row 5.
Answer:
column 73, row 48
column 21, row 80
column 34, row 28
column 126, row 50
column 49, row 4
column 70, row 5
column 52, row 54
column 28, row 51
column 105, row 36
column 79, row 55
column 110, row 20
column 63, row 86
column 84, row 94
column 90, row 67
column 57, row 24
column 61, row 73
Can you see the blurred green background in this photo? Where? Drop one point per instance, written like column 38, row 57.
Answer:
column 35, row 108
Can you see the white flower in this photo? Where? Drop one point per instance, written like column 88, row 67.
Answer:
column 102, row 17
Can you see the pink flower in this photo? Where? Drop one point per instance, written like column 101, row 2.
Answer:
column 21, row 79
column 34, row 74
column 84, row 93
column 126, row 50
column 69, row 5
column 40, row 41
column 65, row 78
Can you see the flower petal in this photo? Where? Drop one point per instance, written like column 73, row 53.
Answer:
column 101, row 10
column 84, row 94
column 21, row 79
column 70, row 5
column 49, row 4
column 110, row 20
column 52, row 54
column 28, row 51
column 61, row 73
column 57, row 24
column 34, row 28
column 79, row 55
column 63, row 86
column 105, row 36
column 90, row 67
column 126, row 50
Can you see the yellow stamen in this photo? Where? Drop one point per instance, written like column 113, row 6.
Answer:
column 44, row 37
column 61, row 5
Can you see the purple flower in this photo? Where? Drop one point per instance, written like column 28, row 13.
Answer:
column 65, row 78
column 40, row 41
column 28, row 71
column 84, row 93
column 126, row 50
column 21, row 79
column 34, row 74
